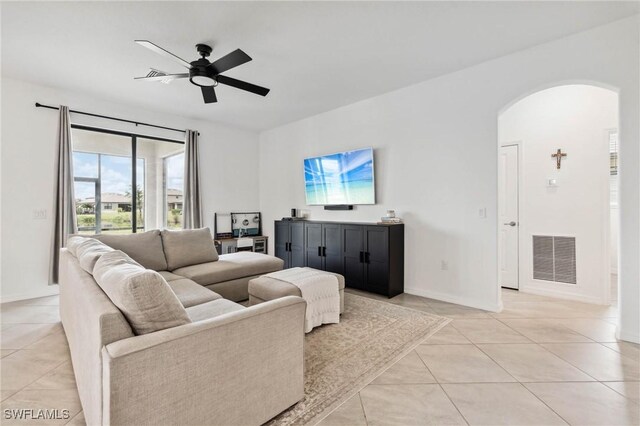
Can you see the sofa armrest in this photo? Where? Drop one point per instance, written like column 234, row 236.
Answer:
column 243, row 367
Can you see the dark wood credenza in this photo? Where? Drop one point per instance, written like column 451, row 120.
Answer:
column 370, row 256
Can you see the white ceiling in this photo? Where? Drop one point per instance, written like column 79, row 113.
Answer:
column 315, row 56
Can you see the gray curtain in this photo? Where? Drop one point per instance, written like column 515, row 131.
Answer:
column 64, row 210
column 192, row 208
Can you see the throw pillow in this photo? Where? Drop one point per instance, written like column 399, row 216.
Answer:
column 188, row 247
column 143, row 296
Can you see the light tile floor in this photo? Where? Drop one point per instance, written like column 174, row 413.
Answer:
column 541, row 361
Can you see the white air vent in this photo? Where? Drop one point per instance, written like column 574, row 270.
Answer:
column 554, row 259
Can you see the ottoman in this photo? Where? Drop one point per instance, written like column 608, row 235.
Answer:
column 263, row 288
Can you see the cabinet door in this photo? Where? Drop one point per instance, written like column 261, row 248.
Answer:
column 377, row 259
column 281, row 241
column 332, row 244
column 296, row 244
column 313, row 245
column 352, row 247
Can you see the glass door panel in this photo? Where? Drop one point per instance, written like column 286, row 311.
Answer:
column 107, row 157
column 85, row 195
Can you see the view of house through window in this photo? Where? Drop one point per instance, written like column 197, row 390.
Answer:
column 110, row 199
column 173, row 185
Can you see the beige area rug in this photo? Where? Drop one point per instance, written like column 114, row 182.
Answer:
column 340, row 359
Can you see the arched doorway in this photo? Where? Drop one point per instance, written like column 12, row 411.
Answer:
column 557, row 205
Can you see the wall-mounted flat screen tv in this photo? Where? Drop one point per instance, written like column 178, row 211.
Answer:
column 341, row 178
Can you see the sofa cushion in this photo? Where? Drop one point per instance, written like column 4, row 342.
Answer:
column 230, row 267
column 73, row 242
column 143, row 296
column 188, row 247
column 88, row 251
column 145, row 247
column 191, row 293
column 213, row 309
column 170, row 276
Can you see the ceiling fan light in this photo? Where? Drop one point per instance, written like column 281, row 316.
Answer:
column 203, row 81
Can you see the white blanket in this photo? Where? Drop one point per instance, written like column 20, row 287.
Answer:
column 319, row 289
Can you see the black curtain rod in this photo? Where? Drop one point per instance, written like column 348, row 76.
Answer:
column 137, row 123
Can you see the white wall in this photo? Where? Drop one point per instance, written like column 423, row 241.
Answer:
column 575, row 118
column 27, row 152
column 436, row 161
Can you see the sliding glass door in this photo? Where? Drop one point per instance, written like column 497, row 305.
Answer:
column 114, row 197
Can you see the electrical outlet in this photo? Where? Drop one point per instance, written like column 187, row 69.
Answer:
column 40, row 214
column 444, row 265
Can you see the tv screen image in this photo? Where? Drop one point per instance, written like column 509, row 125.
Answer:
column 341, row 178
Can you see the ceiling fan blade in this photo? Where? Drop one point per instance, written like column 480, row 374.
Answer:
column 242, row 85
column 163, row 78
column 232, row 60
column 160, row 51
column 209, row 95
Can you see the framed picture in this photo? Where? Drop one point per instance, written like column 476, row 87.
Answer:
column 246, row 224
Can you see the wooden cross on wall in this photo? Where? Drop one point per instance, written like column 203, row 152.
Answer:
column 558, row 156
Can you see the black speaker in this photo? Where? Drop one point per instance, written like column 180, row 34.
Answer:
column 294, row 212
column 339, row 207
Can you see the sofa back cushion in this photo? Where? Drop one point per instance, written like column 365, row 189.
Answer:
column 188, row 247
column 87, row 251
column 143, row 296
column 145, row 247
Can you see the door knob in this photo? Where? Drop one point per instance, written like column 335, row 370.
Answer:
column 512, row 223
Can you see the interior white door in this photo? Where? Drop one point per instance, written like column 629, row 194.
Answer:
column 508, row 216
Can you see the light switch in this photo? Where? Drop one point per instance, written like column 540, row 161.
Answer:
column 40, row 214
column 482, row 212
column 552, row 182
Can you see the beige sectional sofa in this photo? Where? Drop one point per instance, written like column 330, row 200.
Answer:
column 176, row 256
column 151, row 343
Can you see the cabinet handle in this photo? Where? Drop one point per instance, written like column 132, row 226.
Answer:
column 361, row 257
column 319, row 251
column 288, row 247
column 324, row 252
column 366, row 257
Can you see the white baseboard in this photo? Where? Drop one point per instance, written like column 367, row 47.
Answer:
column 444, row 297
column 628, row 337
column 51, row 290
column 562, row 295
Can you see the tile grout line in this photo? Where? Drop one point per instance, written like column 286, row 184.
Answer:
column 454, row 404
column 564, row 343
column 440, row 385
column 575, row 366
column 561, row 325
column 497, row 343
column 521, row 383
column 78, row 414
column 624, row 396
column 561, row 359
column 591, row 343
column 40, row 377
column 364, row 412
column 545, row 404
